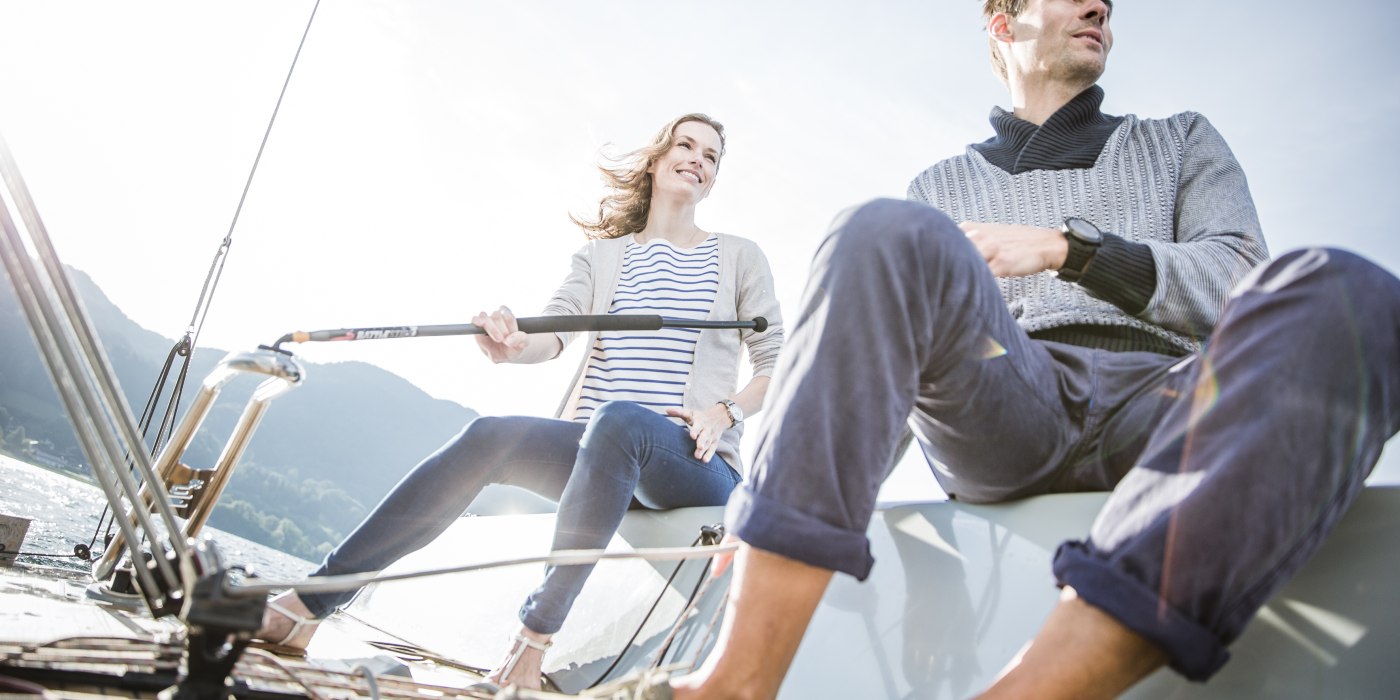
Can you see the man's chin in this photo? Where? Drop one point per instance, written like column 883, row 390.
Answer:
column 1085, row 72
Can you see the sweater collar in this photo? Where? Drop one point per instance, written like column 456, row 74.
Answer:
column 1071, row 138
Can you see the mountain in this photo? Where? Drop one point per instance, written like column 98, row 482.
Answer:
column 323, row 455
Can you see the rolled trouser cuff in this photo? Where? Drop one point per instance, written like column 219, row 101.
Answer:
column 1195, row 651
column 781, row 529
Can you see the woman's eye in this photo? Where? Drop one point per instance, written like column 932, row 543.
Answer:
column 710, row 158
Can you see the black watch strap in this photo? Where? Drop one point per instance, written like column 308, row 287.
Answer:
column 1084, row 239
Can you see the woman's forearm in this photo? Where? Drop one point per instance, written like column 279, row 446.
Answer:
column 541, row 347
column 750, row 398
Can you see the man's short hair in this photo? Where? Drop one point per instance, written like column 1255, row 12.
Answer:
column 989, row 8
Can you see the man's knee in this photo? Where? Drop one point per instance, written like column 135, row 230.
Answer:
column 1332, row 295
column 1340, row 275
column 897, row 226
column 1365, row 279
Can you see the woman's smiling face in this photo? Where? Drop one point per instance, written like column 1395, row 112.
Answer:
column 689, row 167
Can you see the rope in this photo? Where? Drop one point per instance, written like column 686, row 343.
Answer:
column 564, row 557
column 710, row 630
column 370, row 679
column 291, row 674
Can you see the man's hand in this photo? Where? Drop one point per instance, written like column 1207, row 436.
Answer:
column 706, row 426
column 503, row 341
column 1012, row 250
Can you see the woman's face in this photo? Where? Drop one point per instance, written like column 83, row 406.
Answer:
column 689, row 167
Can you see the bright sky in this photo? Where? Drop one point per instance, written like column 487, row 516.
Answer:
column 427, row 153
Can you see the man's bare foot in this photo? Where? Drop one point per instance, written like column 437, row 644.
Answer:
column 523, row 665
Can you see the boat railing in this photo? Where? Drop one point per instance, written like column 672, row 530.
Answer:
column 193, row 493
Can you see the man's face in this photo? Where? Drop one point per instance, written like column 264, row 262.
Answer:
column 1062, row 40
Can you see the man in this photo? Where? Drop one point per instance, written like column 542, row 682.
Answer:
column 1052, row 342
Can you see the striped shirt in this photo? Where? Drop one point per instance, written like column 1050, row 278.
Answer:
column 651, row 368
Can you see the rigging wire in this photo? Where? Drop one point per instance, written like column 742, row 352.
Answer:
column 650, row 611
column 185, row 347
column 558, row 557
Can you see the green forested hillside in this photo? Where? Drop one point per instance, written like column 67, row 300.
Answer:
column 324, row 454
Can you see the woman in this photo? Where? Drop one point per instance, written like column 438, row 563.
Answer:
column 650, row 416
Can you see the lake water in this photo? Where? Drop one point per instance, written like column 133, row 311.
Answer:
column 65, row 511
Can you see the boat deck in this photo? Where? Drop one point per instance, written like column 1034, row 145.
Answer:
column 956, row 591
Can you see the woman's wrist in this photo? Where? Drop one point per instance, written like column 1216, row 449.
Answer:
column 732, row 411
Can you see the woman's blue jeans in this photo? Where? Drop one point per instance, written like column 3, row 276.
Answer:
column 626, row 456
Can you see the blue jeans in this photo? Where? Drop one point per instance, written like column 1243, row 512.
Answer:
column 626, row 455
column 1230, row 466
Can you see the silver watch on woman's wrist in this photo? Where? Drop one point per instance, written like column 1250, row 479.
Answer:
column 736, row 414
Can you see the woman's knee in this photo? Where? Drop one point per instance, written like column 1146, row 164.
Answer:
column 618, row 425
column 478, row 433
column 483, row 439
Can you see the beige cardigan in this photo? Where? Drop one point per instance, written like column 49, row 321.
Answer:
column 745, row 292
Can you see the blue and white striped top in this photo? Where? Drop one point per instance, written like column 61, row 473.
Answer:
column 650, row 368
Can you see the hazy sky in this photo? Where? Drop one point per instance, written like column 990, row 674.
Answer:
column 427, row 153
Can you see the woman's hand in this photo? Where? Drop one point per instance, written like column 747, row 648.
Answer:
column 503, row 341
column 706, row 426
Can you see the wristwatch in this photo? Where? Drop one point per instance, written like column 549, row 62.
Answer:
column 736, row 414
column 1084, row 240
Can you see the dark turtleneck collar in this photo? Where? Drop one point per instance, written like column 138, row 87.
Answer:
column 1071, row 138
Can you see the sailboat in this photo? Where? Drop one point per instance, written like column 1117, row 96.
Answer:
column 958, row 590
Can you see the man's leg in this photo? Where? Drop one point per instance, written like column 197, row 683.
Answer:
column 1285, row 415
column 771, row 600
column 1080, row 654
column 900, row 307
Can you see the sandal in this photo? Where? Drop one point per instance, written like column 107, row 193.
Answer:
column 281, row 647
column 521, row 643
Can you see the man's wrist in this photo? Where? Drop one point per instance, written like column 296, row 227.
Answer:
column 1058, row 250
column 1082, row 240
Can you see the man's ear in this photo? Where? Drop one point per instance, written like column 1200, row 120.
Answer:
column 999, row 27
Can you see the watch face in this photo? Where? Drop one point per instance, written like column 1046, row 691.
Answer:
column 1083, row 230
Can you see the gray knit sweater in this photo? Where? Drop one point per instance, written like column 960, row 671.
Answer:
column 1171, row 184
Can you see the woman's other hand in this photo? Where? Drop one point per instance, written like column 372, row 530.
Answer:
column 706, row 427
column 503, row 341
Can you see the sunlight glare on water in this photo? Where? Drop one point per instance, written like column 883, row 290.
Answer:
column 64, row 512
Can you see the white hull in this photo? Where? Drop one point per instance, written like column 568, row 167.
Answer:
column 955, row 593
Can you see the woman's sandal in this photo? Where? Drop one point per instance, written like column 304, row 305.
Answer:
column 280, row 647
column 516, row 652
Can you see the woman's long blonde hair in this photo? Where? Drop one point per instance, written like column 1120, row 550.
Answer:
column 624, row 209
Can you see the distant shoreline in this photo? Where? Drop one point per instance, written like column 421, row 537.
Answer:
column 84, row 478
